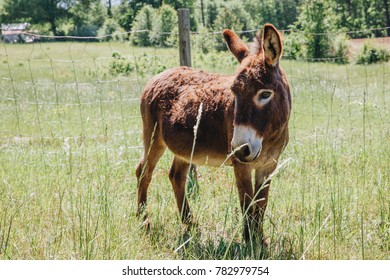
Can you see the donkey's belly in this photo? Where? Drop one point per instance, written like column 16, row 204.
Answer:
column 209, row 146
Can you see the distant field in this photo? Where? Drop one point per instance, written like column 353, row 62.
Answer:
column 356, row 44
column 70, row 138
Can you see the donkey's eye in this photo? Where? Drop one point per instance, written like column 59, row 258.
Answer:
column 265, row 94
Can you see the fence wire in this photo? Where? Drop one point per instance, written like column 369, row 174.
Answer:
column 88, row 92
column 71, row 134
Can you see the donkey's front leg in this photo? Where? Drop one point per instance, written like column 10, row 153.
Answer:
column 262, row 185
column 242, row 173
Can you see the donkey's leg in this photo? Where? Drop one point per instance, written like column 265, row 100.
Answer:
column 245, row 193
column 262, row 185
column 178, row 175
column 154, row 148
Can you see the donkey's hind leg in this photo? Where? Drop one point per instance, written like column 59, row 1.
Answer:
column 178, row 176
column 154, row 148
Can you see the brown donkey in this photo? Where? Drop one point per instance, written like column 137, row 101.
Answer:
column 246, row 113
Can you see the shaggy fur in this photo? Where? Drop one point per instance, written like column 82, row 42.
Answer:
column 169, row 108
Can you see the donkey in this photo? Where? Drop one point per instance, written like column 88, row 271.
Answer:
column 245, row 114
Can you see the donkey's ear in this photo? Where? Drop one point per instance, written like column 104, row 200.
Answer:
column 235, row 45
column 272, row 44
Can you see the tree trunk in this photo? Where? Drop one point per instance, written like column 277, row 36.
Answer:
column 202, row 12
column 387, row 14
column 53, row 27
column 109, row 11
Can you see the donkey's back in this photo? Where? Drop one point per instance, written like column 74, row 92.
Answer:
column 170, row 108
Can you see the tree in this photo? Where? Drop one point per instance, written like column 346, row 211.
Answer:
column 52, row 12
column 211, row 13
column 189, row 4
column 87, row 19
column 109, row 8
column 36, row 11
column 387, row 15
column 279, row 13
column 164, row 26
column 317, row 23
column 232, row 15
column 127, row 11
column 143, row 21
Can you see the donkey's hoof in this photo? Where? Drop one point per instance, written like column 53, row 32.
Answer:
column 145, row 225
column 266, row 241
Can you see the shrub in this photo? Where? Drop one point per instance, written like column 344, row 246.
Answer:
column 164, row 27
column 232, row 15
column 203, row 40
column 294, row 46
column 111, row 27
column 86, row 30
column 142, row 65
column 120, row 65
column 143, row 21
column 372, row 54
column 340, row 49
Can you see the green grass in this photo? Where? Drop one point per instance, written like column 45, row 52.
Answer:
column 70, row 137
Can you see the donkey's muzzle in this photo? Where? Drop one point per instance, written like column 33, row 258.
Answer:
column 246, row 145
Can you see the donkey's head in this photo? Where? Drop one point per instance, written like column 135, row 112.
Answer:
column 262, row 97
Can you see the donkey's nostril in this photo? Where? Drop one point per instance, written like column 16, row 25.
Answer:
column 245, row 151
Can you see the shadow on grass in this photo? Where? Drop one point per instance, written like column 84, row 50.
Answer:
column 192, row 245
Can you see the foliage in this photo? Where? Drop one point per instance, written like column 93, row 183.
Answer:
column 144, row 64
column 124, row 15
column 316, row 24
column 232, row 15
column 56, row 13
column 120, row 65
column 163, row 28
column 360, row 15
column 312, row 24
column 188, row 4
column 313, row 36
column 111, row 30
column 365, row 18
column 280, row 13
column 70, row 141
column 203, row 41
column 87, row 19
column 143, row 21
column 340, row 49
column 372, row 54
column 126, row 12
column 294, row 45
column 37, row 11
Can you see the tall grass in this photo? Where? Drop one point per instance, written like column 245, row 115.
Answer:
column 70, row 138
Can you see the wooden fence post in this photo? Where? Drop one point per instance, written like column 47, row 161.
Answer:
column 184, row 37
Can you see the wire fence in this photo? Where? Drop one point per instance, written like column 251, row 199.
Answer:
column 71, row 135
column 86, row 94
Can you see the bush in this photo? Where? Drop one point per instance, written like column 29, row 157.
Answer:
column 86, row 30
column 119, row 65
column 111, row 30
column 294, row 46
column 143, row 21
column 203, row 40
column 164, row 27
column 372, row 54
column 142, row 65
column 232, row 15
column 340, row 49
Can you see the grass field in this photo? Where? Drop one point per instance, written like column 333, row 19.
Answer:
column 70, row 138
